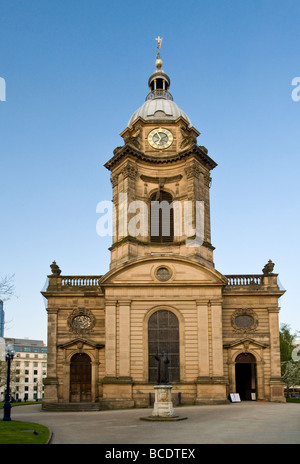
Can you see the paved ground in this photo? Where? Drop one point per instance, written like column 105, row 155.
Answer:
column 234, row 423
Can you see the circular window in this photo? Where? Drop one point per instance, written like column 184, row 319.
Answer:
column 244, row 320
column 163, row 274
column 81, row 320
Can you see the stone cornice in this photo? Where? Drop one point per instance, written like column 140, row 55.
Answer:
column 129, row 149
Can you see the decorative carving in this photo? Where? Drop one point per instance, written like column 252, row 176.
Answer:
column 157, row 180
column 114, row 180
column 207, row 179
column 133, row 141
column 129, row 171
column 204, row 149
column 192, row 171
column 55, row 269
column 134, row 138
column 116, row 150
column 81, row 321
column 187, row 137
column 244, row 320
column 268, row 268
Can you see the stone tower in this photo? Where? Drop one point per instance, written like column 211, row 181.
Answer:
column 161, row 180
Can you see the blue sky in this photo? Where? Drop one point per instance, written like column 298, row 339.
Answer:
column 76, row 70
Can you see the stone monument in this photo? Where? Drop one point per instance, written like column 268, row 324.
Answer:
column 163, row 406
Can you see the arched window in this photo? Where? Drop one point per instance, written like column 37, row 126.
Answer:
column 161, row 217
column 163, row 334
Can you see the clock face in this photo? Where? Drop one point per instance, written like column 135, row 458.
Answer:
column 160, row 138
column 81, row 322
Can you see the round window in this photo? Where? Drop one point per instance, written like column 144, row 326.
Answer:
column 244, row 321
column 163, row 274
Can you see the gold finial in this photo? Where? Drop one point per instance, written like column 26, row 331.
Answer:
column 158, row 62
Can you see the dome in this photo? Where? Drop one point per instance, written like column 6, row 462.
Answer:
column 159, row 104
column 157, row 109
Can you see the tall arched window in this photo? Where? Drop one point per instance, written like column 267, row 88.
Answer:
column 163, row 334
column 161, row 217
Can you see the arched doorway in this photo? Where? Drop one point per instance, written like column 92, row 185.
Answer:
column 80, row 378
column 245, row 376
column 163, row 334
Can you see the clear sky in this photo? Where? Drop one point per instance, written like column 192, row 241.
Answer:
column 76, row 70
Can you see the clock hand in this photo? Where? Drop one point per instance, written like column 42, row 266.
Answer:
column 157, row 133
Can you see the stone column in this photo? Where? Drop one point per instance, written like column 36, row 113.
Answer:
column 274, row 343
column 124, row 345
column 217, row 339
column 211, row 387
column 51, row 381
column 203, row 346
column 110, row 339
column 276, row 384
column 117, row 386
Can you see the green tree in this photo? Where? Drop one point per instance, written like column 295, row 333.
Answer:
column 287, row 342
column 290, row 369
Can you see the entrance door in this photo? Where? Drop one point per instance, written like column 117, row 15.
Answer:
column 245, row 375
column 80, row 378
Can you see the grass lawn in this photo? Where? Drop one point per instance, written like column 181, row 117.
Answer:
column 20, row 433
column 20, row 404
column 293, row 400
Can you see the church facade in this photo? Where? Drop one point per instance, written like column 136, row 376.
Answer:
column 162, row 291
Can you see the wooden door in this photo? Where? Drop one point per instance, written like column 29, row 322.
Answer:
column 80, row 378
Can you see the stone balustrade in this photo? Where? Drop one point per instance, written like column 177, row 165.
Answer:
column 80, row 281
column 244, row 280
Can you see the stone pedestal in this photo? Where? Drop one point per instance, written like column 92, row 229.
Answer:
column 163, row 406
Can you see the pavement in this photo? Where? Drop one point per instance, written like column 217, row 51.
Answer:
column 233, row 423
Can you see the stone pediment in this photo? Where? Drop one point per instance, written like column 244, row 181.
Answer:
column 245, row 342
column 79, row 341
column 166, row 270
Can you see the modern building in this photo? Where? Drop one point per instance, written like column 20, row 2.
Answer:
column 28, row 369
column 162, row 291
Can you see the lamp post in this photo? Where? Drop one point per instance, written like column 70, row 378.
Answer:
column 9, row 356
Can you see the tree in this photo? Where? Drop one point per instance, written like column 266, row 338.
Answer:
column 7, row 287
column 287, row 342
column 291, row 376
column 7, row 290
column 290, row 369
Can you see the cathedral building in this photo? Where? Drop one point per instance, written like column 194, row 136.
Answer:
column 162, row 291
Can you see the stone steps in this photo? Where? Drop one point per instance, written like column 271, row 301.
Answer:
column 68, row 407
